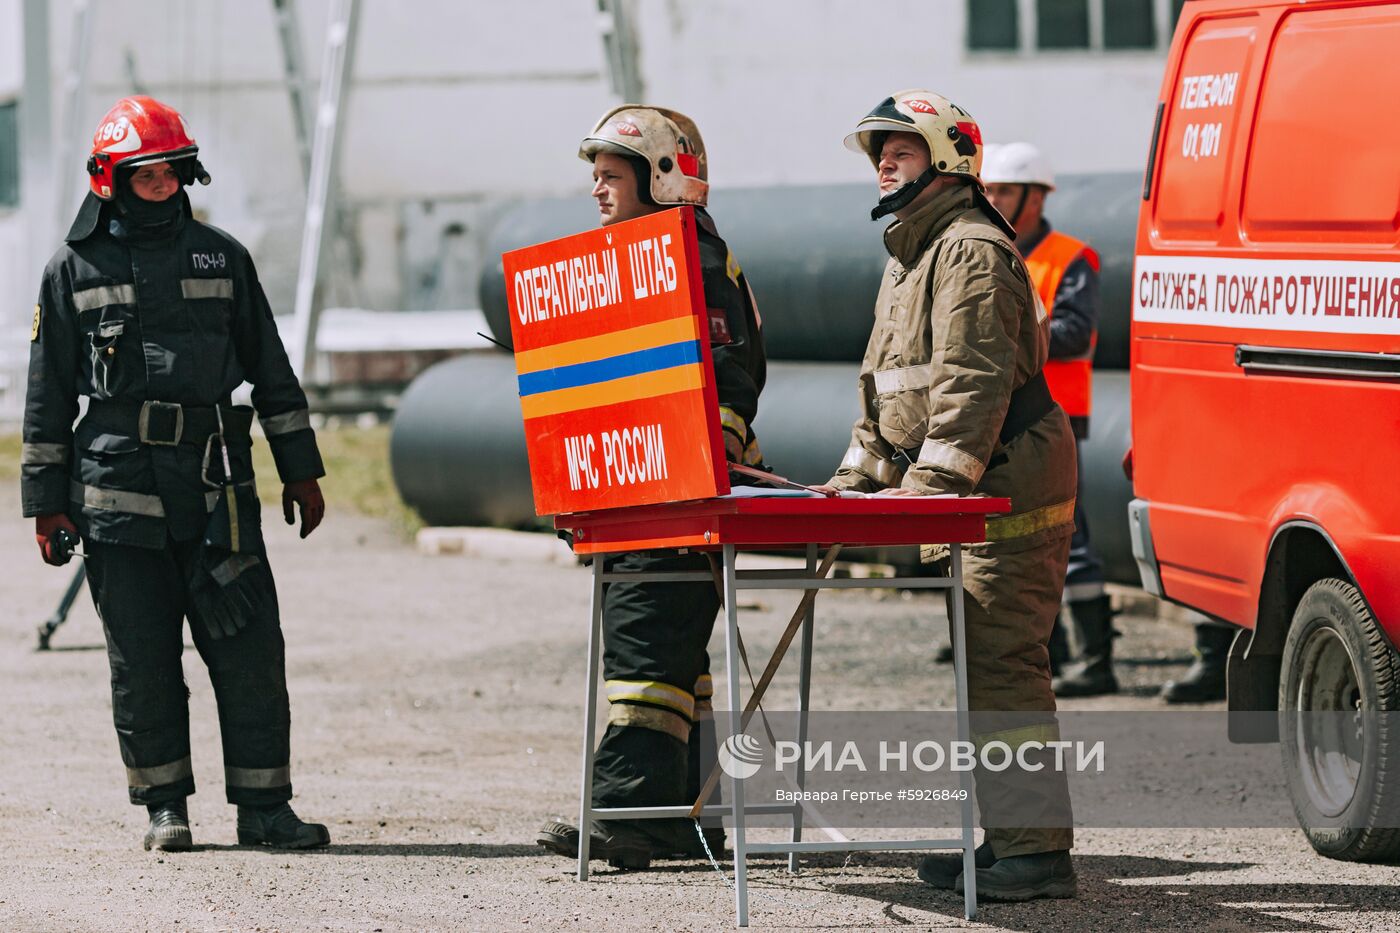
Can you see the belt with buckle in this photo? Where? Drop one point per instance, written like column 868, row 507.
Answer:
column 168, row 424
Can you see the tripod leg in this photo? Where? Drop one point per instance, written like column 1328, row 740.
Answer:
column 60, row 615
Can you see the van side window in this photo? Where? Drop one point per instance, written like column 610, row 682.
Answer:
column 1315, row 171
column 1197, row 140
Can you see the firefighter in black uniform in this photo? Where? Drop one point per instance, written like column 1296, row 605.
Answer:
column 157, row 318
column 648, row 159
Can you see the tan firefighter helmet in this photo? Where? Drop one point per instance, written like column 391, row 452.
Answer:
column 669, row 142
column 953, row 137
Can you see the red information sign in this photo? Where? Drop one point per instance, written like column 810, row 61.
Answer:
column 612, row 358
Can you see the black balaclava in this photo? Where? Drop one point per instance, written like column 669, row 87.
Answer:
column 135, row 217
column 125, row 215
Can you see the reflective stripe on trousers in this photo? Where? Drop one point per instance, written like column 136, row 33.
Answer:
column 158, row 775
column 652, row 692
column 649, row 717
column 261, row 778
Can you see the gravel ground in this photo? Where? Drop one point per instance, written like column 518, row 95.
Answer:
column 436, row 718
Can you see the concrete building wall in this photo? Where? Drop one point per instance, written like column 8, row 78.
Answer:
column 775, row 87
column 433, row 103
column 460, row 105
column 11, row 49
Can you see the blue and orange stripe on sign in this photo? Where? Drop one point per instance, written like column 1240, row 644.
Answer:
column 640, row 362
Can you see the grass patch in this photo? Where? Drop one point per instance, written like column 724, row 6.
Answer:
column 9, row 456
column 357, row 474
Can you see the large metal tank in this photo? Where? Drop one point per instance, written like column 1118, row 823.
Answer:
column 814, row 258
column 1106, row 489
column 457, row 449
column 458, row 446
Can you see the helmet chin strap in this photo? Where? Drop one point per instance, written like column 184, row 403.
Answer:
column 642, row 169
column 1020, row 205
column 900, row 198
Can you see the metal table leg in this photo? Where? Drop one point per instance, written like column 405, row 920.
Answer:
column 733, row 669
column 958, row 624
column 736, row 712
column 804, row 694
column 590, row 717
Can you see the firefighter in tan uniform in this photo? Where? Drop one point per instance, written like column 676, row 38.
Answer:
column 954, row 401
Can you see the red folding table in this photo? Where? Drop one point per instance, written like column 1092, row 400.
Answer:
column 728, row 525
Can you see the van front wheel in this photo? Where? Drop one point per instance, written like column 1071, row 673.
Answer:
column 1338, row 696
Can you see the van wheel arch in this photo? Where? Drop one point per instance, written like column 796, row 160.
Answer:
column 1300, row 554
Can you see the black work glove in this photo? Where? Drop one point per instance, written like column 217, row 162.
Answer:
column 228, row 591
column 305, row 494
column 230, row 585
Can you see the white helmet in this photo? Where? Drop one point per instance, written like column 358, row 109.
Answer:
column 1016, row 164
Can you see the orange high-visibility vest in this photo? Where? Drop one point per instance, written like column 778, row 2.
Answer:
column 1070, row 380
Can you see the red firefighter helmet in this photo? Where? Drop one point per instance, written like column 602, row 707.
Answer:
column 137, row 131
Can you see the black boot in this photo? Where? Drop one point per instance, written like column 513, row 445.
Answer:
column 1092, row 676
column 1027, row 877
column 170, row 827
column 945, row 871
column 640, row 767
column 1204, row 681
column 617, row 843
column 277, row 826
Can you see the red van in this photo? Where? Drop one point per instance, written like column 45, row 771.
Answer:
column 1266, row 384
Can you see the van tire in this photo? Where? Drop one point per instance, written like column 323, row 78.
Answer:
column 1337, row 660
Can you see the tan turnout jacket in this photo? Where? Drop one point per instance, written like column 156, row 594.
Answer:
column 957, row 328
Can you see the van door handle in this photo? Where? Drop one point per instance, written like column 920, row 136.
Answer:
column 1147, row 178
